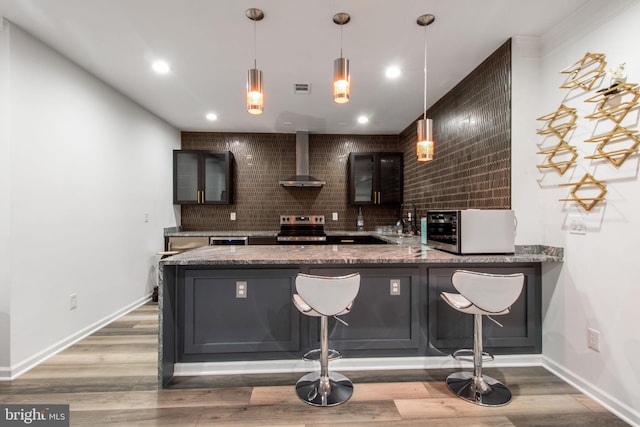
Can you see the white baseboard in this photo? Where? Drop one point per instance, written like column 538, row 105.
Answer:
column 9, row 374
column 620, row 409
column 347, row 364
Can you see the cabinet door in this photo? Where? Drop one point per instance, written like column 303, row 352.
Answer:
column 450, row 330
column 219, row 319
column 375, row 178
column 361, row 183
column 379, row 323
column 216, row 181
column 390, row 178
column 202, row 177
column 186, row 177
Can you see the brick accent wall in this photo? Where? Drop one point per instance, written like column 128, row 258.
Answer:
column 472, row 132
column 471, row 166
column 262, row 160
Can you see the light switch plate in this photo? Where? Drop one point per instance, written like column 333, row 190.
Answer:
column 334, row 216
column 232, row 216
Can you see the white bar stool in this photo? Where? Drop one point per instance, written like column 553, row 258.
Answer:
column 321, row 296
column 481, row 294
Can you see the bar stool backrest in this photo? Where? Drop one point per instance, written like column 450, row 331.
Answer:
column 328, row 295
column 489, row 292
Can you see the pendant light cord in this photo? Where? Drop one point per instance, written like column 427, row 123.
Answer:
column 341, row 40
column 425, row 73
column 255, row 44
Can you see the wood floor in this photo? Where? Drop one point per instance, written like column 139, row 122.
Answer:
column 110, row 378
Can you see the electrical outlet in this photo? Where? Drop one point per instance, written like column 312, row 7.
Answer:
column 241, row 289
column 73, row 301
column 394, row 287
column 334, row 216
column 232, row 216
column 577, row 225
column 593, row 339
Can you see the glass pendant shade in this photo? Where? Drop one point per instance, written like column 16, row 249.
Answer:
column 255, row 95
column 341, row 81
column 424, row 146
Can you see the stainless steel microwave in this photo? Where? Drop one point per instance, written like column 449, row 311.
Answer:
column 471, row 231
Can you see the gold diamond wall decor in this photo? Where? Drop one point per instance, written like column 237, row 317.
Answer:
column 615, row 102
column 558, row 123
column 586, row 186
column 619, row 136
column 585, row 72
column 559, row 158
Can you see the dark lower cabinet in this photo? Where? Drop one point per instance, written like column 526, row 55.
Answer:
column 379, row 323
column 227, row 312
column 357, row 240
column 246, row 313
column 450, row 330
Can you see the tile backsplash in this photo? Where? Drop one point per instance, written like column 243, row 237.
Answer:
column 262, row 160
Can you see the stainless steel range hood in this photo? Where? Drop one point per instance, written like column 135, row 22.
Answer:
column 302, row 177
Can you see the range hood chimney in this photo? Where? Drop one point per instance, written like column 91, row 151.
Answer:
column 302, row 177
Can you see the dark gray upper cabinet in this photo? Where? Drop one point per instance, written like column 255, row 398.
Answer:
column 202, row 177
column 375, row 178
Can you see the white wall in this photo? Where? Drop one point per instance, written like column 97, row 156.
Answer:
column 5, row 181
column 598, row 285
column 87, row 164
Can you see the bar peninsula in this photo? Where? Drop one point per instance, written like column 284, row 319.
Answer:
column 233, row 303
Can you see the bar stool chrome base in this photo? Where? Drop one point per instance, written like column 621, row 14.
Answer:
column 334, row 390
column 483, row 391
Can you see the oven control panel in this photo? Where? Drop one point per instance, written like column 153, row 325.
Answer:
column 301, row 219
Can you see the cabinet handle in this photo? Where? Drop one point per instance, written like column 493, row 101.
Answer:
column 378, row 197
column 199, row 192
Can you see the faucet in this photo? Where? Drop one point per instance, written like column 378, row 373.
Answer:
column 414, row 225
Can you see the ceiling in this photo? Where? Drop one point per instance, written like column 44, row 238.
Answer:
column 210, row 46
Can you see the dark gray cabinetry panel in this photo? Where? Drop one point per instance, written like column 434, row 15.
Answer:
column 379, row 323
column 450, row 330
column 357, row 240
column 217, row 321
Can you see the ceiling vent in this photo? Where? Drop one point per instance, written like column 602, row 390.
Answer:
column 302, row 88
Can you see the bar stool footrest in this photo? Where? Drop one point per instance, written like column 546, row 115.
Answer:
column 466, row 355
column 314, row 355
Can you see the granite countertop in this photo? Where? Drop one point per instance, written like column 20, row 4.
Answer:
column 403, row 250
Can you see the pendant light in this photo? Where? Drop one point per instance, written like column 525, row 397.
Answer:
column 255, row 94
column 424, row 145
column 341, row 76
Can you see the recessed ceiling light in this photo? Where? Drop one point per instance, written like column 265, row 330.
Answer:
column 392, row 72
column 212, row 117
column 363, row 119
column 161, row 67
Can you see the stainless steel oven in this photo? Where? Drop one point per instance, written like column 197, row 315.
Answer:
column 301, row 229
column 471, row 231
